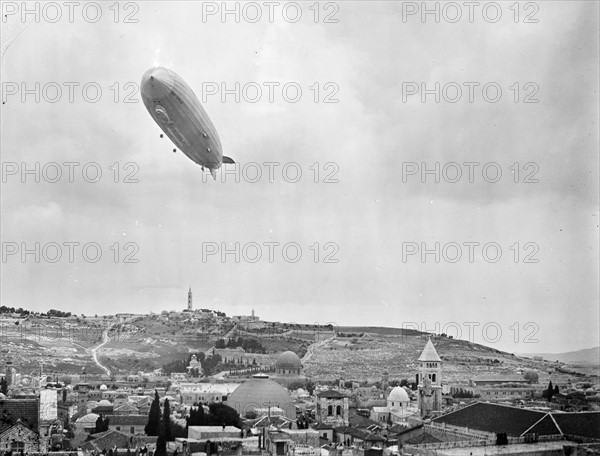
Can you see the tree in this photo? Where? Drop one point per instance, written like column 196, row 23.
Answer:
column 161, row 442
column 550, row 391
column 153, row 425
column 196, row 417
column 101, row 425
column 3, row 386
column 221, row 414
column 167, row 421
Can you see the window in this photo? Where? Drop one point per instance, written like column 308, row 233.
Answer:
column 118, row 428
column 433, row 378
column 330, row 410
column 17, row 445
column 132, row 429
column 338, row 410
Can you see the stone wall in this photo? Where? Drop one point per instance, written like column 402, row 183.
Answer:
column 20, row 433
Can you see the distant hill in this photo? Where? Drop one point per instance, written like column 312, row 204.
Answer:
column 588, row 356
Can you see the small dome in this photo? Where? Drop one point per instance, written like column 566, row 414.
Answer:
column 398, row 395
column 103, row 387
column 530, row 375
column 104, row 403
column 288, row 360
column 90, row 418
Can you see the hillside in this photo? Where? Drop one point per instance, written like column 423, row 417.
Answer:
column 585, row 356
column 127, row 344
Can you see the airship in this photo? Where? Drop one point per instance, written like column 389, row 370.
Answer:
column 178, row 112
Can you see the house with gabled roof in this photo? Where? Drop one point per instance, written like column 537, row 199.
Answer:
column 106, row 440
column 19, row 437
column 128, row 424
column 126, row 409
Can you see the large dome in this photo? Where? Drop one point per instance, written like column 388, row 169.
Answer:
column 288, row 360
column 398, row 395
column 261, row 392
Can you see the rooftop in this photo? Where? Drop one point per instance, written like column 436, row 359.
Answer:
column 517, row 421
column 429, row 354
column 331, row 394
column 26, row 410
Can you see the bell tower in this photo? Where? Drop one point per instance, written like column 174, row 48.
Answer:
column 189, row 307
column 429, row 380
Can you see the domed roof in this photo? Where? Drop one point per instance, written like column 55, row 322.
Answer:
column 104, row 403
column 288, row 360
column 103, row 387
column 398, row 395
column 90, row 418
column 261, row 392
column 530, row 375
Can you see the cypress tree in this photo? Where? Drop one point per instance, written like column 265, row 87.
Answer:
column 153, row 425
column 3, row 386
column 550, row 391
column 167, row 421
column 161, row 443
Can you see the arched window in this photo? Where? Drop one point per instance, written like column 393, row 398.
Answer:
column 330, row 410
column 433, row 378
column 338, row 410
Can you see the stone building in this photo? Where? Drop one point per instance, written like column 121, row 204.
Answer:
column 194, row 368
column 288, row 363
column 332, row 408
column 396, row 409
column 429, row 380
column 19, row 437
column 128, row 424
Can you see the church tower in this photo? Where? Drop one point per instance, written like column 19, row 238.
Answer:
column 190, row 300
column 429, row 380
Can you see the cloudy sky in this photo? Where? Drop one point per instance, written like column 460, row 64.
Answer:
column 370, row 208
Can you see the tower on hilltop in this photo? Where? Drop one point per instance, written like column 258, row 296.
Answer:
column 189, row 307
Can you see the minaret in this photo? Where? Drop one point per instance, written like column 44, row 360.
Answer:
column 429, row 380
column 252, row 314
column 190, row 299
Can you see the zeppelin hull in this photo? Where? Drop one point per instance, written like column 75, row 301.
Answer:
column 176, row 109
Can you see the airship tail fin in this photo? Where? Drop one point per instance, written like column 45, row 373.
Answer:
column 228, row 160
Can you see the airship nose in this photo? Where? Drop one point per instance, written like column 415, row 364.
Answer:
column 157, row 83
